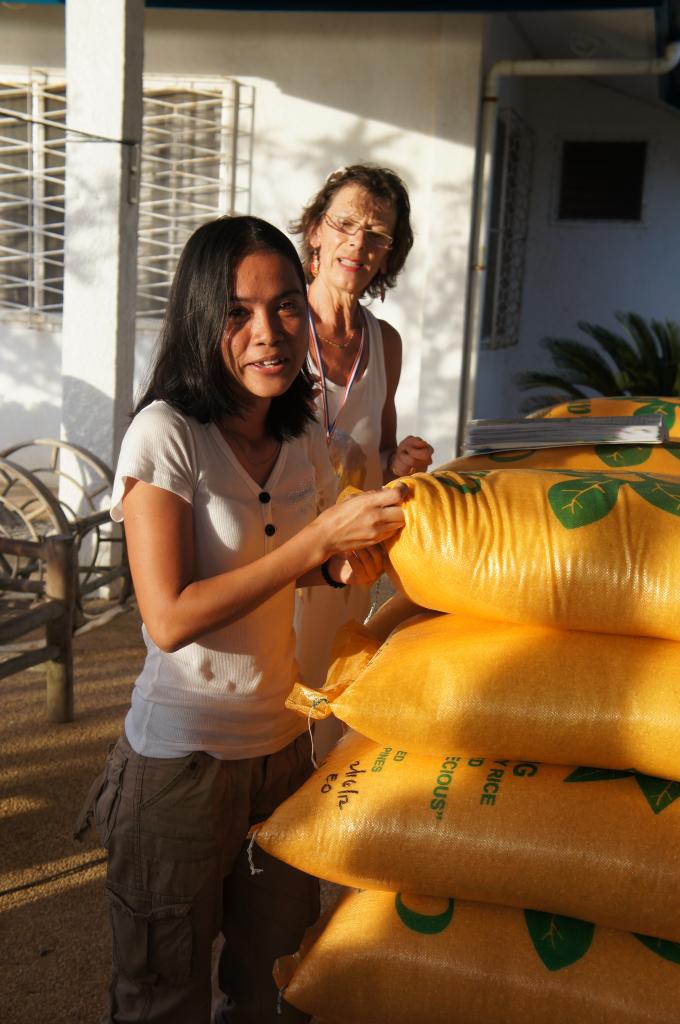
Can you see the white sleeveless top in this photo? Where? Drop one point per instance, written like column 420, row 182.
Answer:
column 360, row 420
column 225, row 692
column 355, row 454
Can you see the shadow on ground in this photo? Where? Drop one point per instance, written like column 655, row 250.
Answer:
column 54, row 935
column 54, row 938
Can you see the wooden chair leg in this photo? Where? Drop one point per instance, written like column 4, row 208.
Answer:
column 61, row 585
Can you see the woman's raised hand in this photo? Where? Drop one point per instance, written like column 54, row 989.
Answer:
column 362, row 520
column 413, row 455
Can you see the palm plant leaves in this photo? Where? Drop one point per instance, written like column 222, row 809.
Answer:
column 669, row 339
column 583, row 364
column 617, row 348
column 535, row 379
column 644, row 361
column 642, row 337
column 668, row 336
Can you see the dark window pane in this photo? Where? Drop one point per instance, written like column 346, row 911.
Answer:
column 602, row 180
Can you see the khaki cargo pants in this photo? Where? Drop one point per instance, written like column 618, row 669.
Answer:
column 179, row 872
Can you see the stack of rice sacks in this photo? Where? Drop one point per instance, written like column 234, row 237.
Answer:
column 507, row 798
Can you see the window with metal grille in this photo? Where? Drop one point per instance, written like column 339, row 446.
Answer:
column 32, row 164
column 508, row 228
column 195, row 164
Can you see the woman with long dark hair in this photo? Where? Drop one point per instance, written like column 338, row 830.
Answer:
column 221, row 475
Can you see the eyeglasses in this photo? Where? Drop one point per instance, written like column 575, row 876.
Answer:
column 347, row 226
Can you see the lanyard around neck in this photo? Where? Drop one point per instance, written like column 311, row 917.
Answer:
column 329, row 426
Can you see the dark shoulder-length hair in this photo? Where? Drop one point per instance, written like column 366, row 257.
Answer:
column 382, row 184
column 188, row 369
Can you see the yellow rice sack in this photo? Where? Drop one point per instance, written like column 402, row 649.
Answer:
column 623, row 405
column 354, row 646
column 575, row 549
column 494, row 689
column 583, row 842
column 650, row 458
column 416, row 960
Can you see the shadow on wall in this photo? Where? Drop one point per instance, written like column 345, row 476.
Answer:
column 285, row 47
column 31, row 352
column 19, row 423
column 30, row 383
column 86, row 413
column 97, row 364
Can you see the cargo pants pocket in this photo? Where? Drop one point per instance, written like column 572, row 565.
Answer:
column 108, row 800
column 151, row 946
column 103, row 798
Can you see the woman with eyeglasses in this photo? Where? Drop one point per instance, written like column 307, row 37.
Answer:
column 356, row 235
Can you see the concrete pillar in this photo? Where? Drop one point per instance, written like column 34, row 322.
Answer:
column 446, row 231
column 104, row 59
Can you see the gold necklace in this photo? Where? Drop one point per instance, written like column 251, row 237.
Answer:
column 338, row 344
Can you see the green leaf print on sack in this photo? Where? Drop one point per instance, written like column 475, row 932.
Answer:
column 659, row 793
column 580, row 474
column 598, row 774
column 584, row 500
column 424, row 924
column 579, row 408
column 514, row 456
column 559, row 941
column 663, row 494
column 662, row 947
column 620, row 456
column 474, row 485
column 665, row 409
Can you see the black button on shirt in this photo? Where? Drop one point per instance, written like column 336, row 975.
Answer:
column 265, row 497
column 270, row 529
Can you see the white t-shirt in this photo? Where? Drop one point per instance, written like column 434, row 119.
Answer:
column 225, row 692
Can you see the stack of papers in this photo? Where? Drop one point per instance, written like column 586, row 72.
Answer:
column 505, row 435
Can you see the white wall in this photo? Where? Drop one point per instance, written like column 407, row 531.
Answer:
column 577, row 271
column 30, row 383
column 332, row 89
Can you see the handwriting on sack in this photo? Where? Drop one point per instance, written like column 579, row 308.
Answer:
column 345, row 786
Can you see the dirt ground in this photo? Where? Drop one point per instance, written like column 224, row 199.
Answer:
column 54, row 938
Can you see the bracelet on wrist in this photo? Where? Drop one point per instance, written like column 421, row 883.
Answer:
column 326, row 573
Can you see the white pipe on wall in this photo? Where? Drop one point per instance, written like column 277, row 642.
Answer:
column 482, row 187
